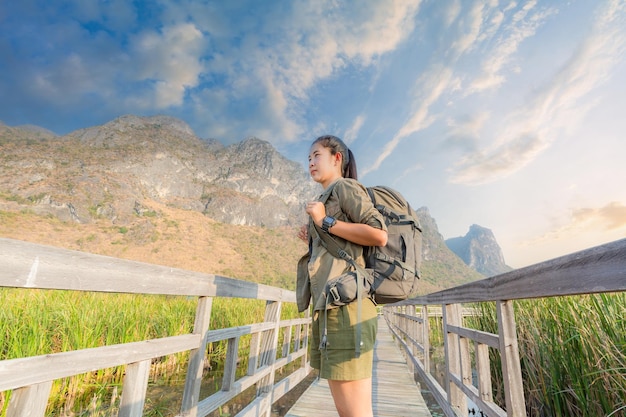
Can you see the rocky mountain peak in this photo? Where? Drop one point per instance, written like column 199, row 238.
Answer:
column 125, row 171
column 114, row 170
column 479, row 250
column 131, row 131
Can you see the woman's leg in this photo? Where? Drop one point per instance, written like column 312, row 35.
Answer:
column 352, row 398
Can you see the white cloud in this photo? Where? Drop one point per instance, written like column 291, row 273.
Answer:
column 434, row 83
column 608, row 221
column 554, row 110
column 464, row 134
column 523, row 25
column 380, row 30
column 171, row 58
column 451, row 13
column 317, row 46
column 470, row 27
column 353, row 132
column 298, row 47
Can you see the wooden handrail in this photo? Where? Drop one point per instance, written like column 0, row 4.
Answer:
column 601, row 269
column 596, row 270
column 29, row 265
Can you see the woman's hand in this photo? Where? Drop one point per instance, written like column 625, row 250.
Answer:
column 317, row 211
column 303, row 234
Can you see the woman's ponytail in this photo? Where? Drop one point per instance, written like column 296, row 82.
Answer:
column 350, row 168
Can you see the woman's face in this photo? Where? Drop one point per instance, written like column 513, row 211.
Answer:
column 324, row 167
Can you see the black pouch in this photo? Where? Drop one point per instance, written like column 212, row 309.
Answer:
column 343, row 289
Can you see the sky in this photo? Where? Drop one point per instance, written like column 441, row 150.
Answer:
column 506, row 114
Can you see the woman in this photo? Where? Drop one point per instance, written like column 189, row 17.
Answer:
column 348, row 215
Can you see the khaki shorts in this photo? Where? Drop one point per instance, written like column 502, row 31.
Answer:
column 338, row 361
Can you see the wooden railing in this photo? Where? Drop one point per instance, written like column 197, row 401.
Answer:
column 597, row 270
column 27, row 265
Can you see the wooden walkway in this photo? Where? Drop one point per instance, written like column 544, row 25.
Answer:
column 395, row 393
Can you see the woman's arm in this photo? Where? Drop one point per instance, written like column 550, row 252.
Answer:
column 359, row 233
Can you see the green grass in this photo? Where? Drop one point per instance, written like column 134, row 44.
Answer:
column 572, row 351
column 38, row 322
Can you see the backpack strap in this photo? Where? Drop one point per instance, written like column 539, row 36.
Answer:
column 393, row 261
column 337, row 251
column 334, row 249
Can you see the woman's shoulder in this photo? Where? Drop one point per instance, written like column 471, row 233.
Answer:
column 348, row 187
column 349, row 183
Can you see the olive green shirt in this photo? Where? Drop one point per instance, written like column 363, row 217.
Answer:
column 345, row 200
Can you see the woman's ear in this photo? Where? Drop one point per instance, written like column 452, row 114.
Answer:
column 339, row 158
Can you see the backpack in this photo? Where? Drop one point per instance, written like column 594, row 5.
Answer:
column 393, row 270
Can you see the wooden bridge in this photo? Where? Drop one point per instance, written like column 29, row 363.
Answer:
column 281, row 342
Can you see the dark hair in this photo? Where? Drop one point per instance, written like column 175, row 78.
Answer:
column 336, row 145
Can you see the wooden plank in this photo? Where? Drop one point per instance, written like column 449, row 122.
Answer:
column 511, row 367
column 134, row 393
column 394, row 391
column 193, row 379
column 230, row 365
column 16, row 373
column 231, row 332
column 30, row 265
column 425, row 334
column 596, row 270
column 480, row 336
column 269, row 346
column 30, row 401
column 286, row 384
column 483, row 370
column 212, row 402
column 452, row 349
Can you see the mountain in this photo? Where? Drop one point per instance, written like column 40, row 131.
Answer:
column 149, row 189
column 480, row 250
column 441, row 268
column 108, row 172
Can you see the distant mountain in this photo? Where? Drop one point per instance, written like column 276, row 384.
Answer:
column 480, row 250
column 441, row 267
column 108, row 172
column 125, row 172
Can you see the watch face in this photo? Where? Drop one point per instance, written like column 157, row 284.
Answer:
column 327, row 223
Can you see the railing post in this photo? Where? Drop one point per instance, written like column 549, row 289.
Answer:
column 29, row 401
column 483, row 369
column 230, row 366
column 511, row 367
column 414, row 330
column 193, row 381
column 425, row 329
column 269, row 345
column 452, row 316
column 134, row 391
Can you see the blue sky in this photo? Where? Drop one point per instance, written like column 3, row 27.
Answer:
column 507, row 114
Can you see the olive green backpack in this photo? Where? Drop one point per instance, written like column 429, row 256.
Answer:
column 393, row 270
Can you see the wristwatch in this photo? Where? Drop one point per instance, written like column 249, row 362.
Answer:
column 327, row 223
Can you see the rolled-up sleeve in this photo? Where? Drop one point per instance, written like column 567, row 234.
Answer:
column 357, row 205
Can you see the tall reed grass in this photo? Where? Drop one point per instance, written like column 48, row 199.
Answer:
column 572, row 351
column 38, row 322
